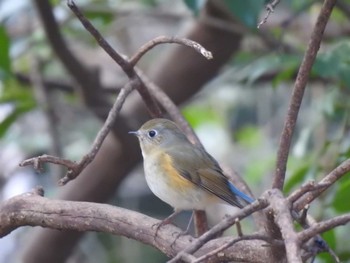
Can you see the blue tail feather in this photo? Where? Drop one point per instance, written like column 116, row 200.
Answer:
column 240, row 194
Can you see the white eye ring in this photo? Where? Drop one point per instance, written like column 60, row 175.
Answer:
column 152, row 133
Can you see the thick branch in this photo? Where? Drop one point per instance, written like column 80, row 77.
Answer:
column 298, row 93
column 31, row 209
column 282, row 217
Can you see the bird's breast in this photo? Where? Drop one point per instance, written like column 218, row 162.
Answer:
column 168, row 185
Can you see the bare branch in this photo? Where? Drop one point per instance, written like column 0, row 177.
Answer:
column 270, row 8
column 164, row 39
column 223, row 225
column 324, row 184
column 308, row 187
column 282, row 217
column 298, row 93
column 236, row 240
column 75, row 168
column 31, row 209
column 323, row 226
column 119, row 59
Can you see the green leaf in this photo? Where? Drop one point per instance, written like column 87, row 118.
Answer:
column 297, row 177
column 101, row 16
column 198, row 114
column 246, row 11
column 5, row 62
column 249, row 136
column 335, row 63
column 341, row 201
column 13, row 116
column 194, row 5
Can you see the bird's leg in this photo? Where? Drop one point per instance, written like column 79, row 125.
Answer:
column 166, row 221
column 182, row 233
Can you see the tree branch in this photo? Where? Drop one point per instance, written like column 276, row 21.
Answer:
column 323, row 226
column 164, row 39
column 298, row 92
column 30, row 209
column 75, row 168
column 323, row 185
column 122, row 62
column 280, row 208
column 222, row 226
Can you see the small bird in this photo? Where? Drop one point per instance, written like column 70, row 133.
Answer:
column 181, row 174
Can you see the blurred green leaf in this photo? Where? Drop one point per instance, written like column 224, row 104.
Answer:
column 20, row 98
column 199, row 114
column 13, row 116
column 335, row 63
column 341, row 200
column 284, row 66
column 194, row 5
column 297, row 177
column 249, row 136
column 104, row 17
column 247, row 11
column 5, row 62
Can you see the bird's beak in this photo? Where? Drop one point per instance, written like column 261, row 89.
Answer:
column 137, row 133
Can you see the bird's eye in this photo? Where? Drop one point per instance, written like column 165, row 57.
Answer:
column 152, row 133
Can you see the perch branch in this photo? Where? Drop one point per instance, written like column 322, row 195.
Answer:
column 31, row 209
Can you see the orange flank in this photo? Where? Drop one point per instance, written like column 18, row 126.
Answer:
column 176, row 180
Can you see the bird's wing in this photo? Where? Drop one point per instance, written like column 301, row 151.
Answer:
column 200, row 168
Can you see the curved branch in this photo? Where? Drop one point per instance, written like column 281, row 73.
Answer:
column 298, row 93
column 30, row 209
column 164, row 39
column 323, row 226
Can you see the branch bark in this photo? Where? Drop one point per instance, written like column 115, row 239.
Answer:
column 31, row 209
column 298, row 93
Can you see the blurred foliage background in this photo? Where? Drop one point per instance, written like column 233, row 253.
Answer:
column 238, row 115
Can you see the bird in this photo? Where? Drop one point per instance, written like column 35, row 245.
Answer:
column 182, row 174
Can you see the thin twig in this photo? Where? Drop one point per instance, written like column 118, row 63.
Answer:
column 119, row 59
column 308, row 187
column 270, row 8
column 164, row 39
column 323, row 226
column 74, row 168
column 298, row 93
column 223, row 225
column 325, row 183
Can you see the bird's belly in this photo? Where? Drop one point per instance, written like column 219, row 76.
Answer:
column 175, row 190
